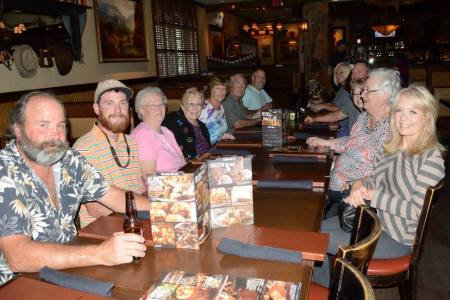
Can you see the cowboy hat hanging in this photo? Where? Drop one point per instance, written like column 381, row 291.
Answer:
column 25, row 60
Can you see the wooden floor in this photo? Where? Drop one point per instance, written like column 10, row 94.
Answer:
column 434, row 269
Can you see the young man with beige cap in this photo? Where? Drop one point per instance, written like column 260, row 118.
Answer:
column 112, row 152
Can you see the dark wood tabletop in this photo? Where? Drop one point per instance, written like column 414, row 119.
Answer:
column 275, row 208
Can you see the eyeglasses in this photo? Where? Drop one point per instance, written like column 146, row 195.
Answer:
column 355, row 94
column 155, row 106
column 367, row 91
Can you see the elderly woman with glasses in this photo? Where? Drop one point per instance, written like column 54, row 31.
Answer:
column 158, row 149
column 356, row 87
column 191, row 133
column 362, row 149
column 411, row 163
column 213, row 114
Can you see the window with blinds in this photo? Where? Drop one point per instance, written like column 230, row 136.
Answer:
column 176, row 37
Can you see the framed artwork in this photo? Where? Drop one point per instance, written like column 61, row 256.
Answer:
column 121, row 33
column 338, row 34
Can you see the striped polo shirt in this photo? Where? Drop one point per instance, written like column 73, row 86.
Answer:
column 95, row 147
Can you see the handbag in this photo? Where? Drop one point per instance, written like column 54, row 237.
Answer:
column 346, row 215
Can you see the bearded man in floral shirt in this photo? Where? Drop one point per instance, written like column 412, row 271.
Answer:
column 42, row 184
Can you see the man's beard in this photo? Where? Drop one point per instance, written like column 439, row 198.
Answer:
column 40, row 152
column 114, row 127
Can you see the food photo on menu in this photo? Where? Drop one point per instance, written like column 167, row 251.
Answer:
column 230, row 191
column 179, row 208
column 181, row 285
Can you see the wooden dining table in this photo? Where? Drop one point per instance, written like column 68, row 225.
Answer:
column 275, row 208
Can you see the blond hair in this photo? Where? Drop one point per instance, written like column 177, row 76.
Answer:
column 193, row 91
column 346, row 67
column 421, row 99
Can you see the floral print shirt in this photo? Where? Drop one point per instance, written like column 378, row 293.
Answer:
column 215, row 121
column 25, row 204
column 359, row 152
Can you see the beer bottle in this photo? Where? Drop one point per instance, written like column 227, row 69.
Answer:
column 131, row 223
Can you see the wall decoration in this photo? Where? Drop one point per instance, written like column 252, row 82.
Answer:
column 121, row 34
column 338, row 34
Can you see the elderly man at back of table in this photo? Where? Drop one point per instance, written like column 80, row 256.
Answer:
column 255, row 98
column 42, row 184
column 112, row 152
column 235, row 112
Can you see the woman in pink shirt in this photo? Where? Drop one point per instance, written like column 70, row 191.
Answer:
column 158, row 149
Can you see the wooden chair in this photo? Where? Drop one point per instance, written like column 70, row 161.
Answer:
column 402, row 271
column 363, row 241
column 347, row 282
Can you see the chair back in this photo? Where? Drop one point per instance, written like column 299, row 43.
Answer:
column 348, row 282
column 365, row 235
column 424, row 220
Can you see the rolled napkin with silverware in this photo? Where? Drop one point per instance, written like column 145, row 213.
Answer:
column 80, row 283
column 239, row 248
column 230, row 152
column 290, row 159
column 285, row 184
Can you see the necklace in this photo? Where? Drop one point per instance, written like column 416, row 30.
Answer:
column 114, row 154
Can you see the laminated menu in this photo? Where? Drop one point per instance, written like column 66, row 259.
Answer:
column 231, row 191
column 179, row 208
column 182, row 285
column 272, row 128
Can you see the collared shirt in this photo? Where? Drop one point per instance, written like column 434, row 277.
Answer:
column 25, row 204
column 95, row 147
column 359, row 152
column 254, row 99
column 234, row 111
column 215, row 121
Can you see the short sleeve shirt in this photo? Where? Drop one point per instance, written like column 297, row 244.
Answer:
column 234, row 111
column 25, row 204
column 254, row 99
column 215, row 121
column 162, row 148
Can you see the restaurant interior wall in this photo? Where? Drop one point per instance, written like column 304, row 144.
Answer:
column 89, row 71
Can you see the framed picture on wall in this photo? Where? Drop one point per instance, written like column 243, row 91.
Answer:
column 121, row 33
column 338, row 34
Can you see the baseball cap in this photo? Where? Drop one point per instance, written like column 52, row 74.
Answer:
column 111, row 84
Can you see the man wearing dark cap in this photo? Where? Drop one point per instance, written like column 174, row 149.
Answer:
column 113, row 153
column 340, row 54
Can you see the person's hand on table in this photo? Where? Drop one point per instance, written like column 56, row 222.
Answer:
column 120, row 248
column 318, row 142
column 309, row 119
column 228, row 136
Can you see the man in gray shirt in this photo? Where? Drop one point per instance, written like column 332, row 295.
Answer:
column 235, row 112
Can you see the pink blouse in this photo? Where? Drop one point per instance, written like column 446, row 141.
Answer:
column 162, row 148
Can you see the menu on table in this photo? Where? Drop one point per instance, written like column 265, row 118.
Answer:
column 179, row 208
column 182, row 285
column 231, row 191
column 272, row 128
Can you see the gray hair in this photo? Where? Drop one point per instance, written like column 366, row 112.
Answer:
column 17, row 115
column 143, row 94
column 346, row 67
column 388, row 81
column 236, row 77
